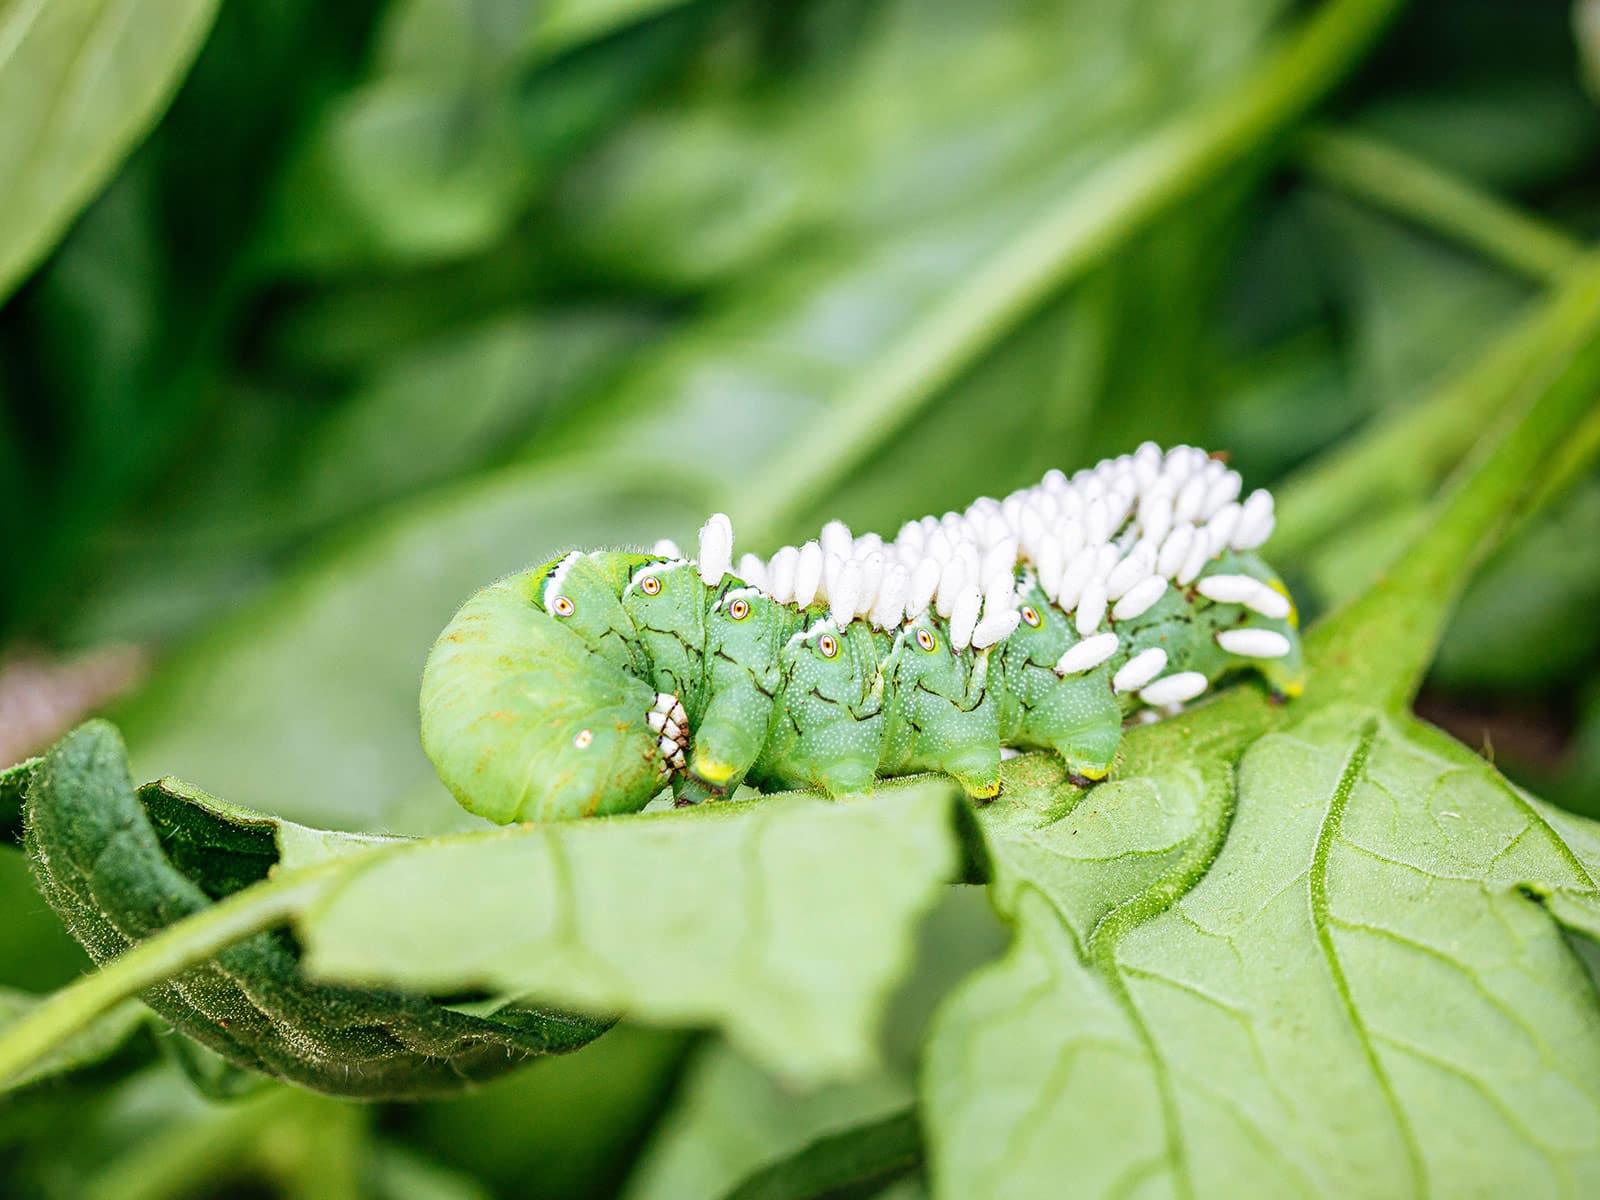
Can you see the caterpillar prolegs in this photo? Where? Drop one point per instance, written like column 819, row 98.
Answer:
column 1043, row 621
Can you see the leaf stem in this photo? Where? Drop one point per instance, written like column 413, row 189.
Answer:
column 1379, row 647
column 1404, row 457
column 182, row 945
column 1393, row 179
column 1104, row 211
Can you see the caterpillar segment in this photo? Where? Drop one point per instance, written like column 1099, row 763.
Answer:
column 1044, row 621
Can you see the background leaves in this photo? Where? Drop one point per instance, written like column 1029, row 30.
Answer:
column 269, row 422
column 81, row 82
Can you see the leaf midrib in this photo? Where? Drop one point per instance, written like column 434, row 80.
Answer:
column 1317, row 888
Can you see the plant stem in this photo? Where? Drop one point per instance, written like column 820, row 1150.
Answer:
column 1573, row 460
column 1379, row 647
column 176, row 948
column 1404, row 457
column 1391, row 178
column 1109, row 207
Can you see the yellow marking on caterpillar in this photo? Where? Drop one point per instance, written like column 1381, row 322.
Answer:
column 1294, row 612
column 715, row 773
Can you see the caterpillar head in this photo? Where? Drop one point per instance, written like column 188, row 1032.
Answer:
column 524, row 721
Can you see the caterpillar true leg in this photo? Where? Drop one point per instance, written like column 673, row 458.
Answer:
column 668, row 719
column 1041, row 621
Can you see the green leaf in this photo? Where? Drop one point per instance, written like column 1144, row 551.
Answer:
column 508, row 375
column 441, row 150
column 743, row 916
column 80, row 82
column 117, row 872
column 1399, row 460
column 403, row 171
column 1317, row 972
column 1438, row 201
column 731, row 1119
column 1408, row 294
column 858, row 1162
column 211, row 1075
column 127, row 332
column 287, row 1141
column 426, row 32
column 853, row 134
column 398, row 1173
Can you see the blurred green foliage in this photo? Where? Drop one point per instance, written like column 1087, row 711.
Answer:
column 396, row 297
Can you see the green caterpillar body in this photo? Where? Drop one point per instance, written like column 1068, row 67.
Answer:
column 589, row 684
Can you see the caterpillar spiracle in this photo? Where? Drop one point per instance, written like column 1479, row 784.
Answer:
column 1043, row 621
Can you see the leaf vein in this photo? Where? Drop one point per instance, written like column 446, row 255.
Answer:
column 1507, row 1113
column 1317, row 878
column 1528, row 1030
column 1142, row 908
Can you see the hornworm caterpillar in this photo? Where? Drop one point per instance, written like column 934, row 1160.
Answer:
column 1041, row 621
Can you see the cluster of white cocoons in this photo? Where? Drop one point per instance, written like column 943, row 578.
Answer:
column 1106, row 541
